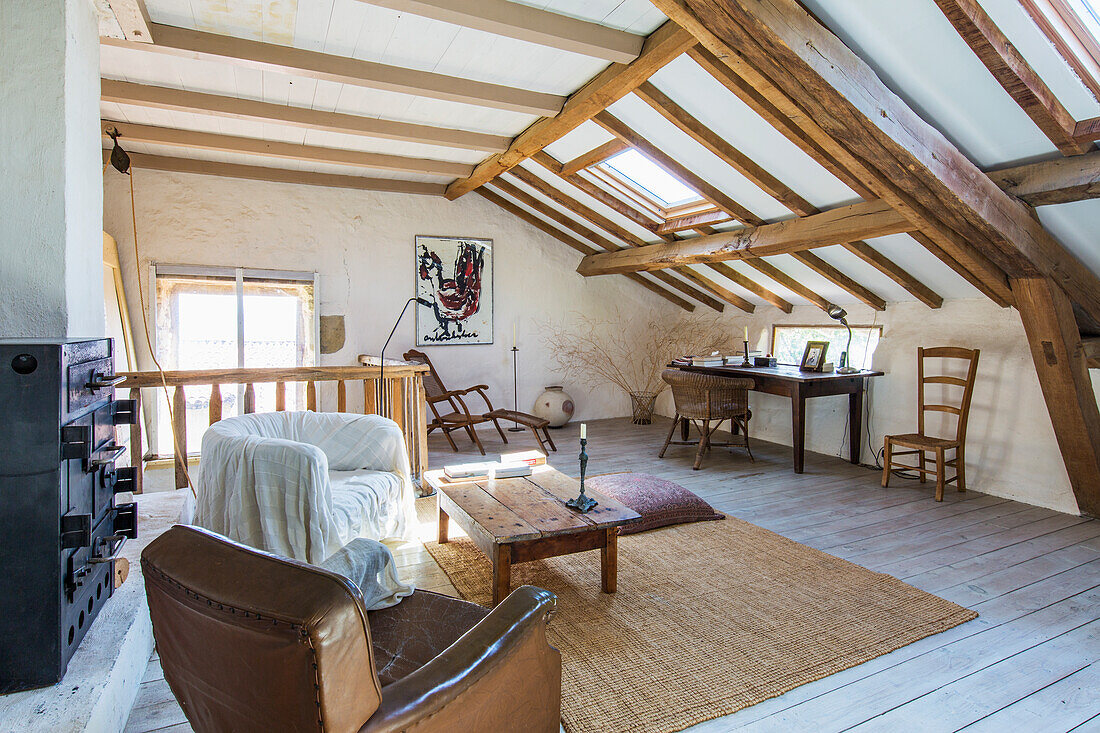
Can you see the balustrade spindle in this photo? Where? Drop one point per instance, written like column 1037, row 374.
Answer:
column 215, row 410
column 341, row 396
column 280, row 396
column 311, row 396
column 179, row 435
column 249, row 398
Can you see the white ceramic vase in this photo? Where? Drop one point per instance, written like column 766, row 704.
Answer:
column 555, row 405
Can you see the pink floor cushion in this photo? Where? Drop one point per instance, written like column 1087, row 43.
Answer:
column 660, row 502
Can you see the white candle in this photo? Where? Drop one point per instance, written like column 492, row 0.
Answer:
column 584, row 431
column 746, row 333
column 513, row 334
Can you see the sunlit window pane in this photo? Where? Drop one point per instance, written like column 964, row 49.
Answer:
column 651, row 178
column 790, row 343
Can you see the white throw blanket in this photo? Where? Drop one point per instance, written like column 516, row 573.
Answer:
column 304, row 484
column 369, row 564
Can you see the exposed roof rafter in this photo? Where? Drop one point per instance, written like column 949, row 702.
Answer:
column 610, row 85
column 527, row 23
column 186, row 43
column 596, row 155
column 179, row 100
column 275, row 149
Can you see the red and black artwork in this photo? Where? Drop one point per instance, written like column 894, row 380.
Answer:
column 455, row 275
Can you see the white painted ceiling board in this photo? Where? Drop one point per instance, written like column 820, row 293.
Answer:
column 919, row 55
column 813, row 281
column 925, row 266
column 866, row 275
column 579, row 140
column 690, row 86
column 635, row 16
column 1076, row 226
column 723, row 281
column 647, row 122
column 759, row 277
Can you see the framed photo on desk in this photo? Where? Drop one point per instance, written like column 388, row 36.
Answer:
column 813, row 358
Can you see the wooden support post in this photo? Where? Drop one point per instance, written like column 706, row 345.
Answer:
column 1061, row 364
column 179, row 435
column 215, row 409
column 136, row 442
column 280, row 396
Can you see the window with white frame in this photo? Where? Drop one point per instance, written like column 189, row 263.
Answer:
column 789, row 343
column 226, row 318
column 1073, row 28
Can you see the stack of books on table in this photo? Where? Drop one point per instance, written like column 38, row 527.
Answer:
column 712, row 360
column 466, row 472
column 529, row 457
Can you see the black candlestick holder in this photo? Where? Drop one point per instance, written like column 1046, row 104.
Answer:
column 515, row 389
column 746, row 361
column 582, row 503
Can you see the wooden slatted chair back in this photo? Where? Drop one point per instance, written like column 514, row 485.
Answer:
column 962, row 409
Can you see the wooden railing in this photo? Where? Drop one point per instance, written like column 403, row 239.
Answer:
column 396, row 393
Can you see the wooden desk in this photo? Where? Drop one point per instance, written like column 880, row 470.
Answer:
column 789, row 381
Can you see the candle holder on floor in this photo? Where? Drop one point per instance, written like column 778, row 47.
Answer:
column 582, row 503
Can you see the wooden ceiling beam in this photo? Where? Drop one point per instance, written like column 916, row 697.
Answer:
column 130, row 16
column 607, row 87
column 692, row 221
column 1014, row 73
column 911, row 165
column 768, row 269
column 836, row 226
column 179, row 100
column 579, row 246
column 720, row 147
column 594, row 217
column 1059, row 181
column 279, row 175
column 587, row 234
column 598, row 154
column 551, row 164
column 771, row 185
column 275, row 149
column 812, row 140
column 838, row 278
column 186, row 43
column 526, row 23
column 621, row 130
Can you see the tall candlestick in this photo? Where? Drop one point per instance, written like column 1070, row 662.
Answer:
column 582, row 503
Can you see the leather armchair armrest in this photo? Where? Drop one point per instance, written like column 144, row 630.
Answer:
column 501, row 675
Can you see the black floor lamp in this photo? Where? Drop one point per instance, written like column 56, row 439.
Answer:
column 382, row 354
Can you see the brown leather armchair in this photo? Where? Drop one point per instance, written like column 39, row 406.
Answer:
column 254, row 642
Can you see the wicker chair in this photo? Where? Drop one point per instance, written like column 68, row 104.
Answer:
column 709, row 399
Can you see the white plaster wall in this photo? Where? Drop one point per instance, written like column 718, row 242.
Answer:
column 1011, row 449
column 362, row 245
column 50, row 190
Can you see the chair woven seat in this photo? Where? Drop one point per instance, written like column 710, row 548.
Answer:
column 916, row 440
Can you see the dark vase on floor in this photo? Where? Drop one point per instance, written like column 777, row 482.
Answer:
column 641, row 406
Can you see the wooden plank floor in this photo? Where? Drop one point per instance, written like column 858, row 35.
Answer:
column 1030, row 662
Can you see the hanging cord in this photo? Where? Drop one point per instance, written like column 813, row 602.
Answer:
column 149, row 342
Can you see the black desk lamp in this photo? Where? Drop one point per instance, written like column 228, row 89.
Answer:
column 382, row 355
column 839, row 314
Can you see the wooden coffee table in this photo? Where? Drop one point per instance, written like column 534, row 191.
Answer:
column 523, row 519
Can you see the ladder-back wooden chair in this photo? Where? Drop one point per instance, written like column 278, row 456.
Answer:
column 920, row 441
column 706, row 399
column 454, row 415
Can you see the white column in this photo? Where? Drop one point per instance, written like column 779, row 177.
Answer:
column 51, row 184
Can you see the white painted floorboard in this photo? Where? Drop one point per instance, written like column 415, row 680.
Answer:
column 1030, row 662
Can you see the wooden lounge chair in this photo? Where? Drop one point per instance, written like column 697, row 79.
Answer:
column 449, row 409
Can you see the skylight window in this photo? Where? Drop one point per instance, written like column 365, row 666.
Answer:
column 1073, row 27
column 649, row 179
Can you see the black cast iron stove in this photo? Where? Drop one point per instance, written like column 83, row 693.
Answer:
column 60, row 528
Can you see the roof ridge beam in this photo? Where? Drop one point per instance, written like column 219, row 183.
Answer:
column 181, row 100
column 187, row 43
column 527, row 23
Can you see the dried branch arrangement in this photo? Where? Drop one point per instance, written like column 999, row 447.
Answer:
column 626, row 352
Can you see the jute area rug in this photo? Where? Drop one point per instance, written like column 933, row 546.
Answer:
column 709, row 618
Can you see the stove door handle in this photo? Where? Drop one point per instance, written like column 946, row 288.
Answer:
column 102, row 381
column 116, row 453
column 115, row 551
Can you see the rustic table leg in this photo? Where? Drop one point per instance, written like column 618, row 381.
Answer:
column 609, row 561
column 798, row 428
column 502, row 572
column 444, row 524
column 855, row 422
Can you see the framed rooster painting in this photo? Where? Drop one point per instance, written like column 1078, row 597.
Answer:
column 454, row 282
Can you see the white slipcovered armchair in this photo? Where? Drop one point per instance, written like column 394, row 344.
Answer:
column 304, row 484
